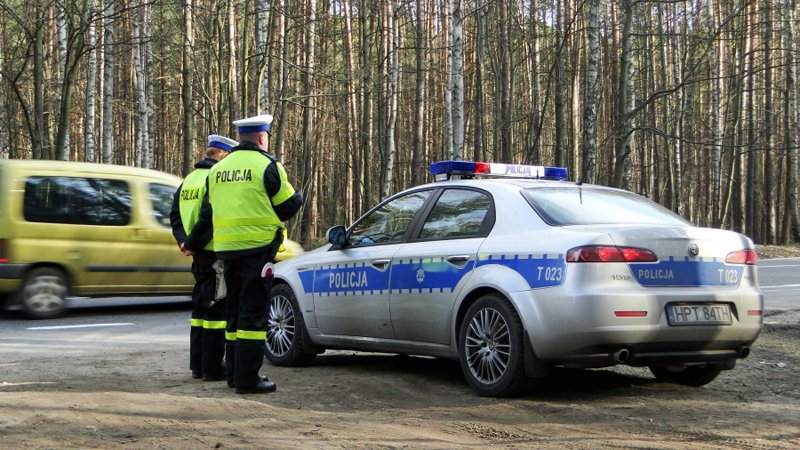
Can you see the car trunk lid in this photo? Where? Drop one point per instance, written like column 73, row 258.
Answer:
column 687, row 256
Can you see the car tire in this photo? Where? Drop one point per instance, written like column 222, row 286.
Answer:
column 695, row 376
column 493, row 361
column 288, row 343
column 43, row 294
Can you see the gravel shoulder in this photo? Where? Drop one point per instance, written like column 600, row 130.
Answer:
column 145, row 399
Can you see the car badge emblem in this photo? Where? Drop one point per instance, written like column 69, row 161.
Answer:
column 420, row 276
column 694, row 250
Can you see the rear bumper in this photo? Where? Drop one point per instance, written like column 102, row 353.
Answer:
column 577, row 328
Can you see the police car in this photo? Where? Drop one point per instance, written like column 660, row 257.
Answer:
column 513, row 270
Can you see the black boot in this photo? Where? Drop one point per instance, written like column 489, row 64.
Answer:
column 264, row 386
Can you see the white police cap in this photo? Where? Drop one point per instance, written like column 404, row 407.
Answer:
column 254, row 124
column 222, row 142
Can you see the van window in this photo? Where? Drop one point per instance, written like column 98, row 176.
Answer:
column 81, row 201
column 161, row 202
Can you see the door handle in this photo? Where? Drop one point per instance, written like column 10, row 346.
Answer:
column 457, row 260
column 380, row 264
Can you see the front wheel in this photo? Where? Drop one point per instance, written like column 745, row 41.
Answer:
column 287, row 340
column 687, row 375
column 491, row 351
column 44, row 293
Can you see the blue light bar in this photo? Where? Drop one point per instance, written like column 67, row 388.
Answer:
column 555, row 173
column 453, row 167
column 442, row 170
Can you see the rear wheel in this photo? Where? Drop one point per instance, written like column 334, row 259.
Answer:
column 44, row 293
column 687, row 375
column 491, row 348
column 287, row 339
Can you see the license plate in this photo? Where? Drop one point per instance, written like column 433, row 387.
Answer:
column 699, row 314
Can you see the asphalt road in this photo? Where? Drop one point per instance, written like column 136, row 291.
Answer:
column 97, row 325
column 780, row 281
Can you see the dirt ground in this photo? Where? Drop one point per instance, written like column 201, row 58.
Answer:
column 778, row 251
column 361, row 400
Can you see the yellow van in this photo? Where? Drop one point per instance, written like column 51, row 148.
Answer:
column 84, row 229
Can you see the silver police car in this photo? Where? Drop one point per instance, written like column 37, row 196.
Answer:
column 513, row 271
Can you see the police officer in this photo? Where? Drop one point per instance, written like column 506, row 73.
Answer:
column 207, row 338
column 249, row 196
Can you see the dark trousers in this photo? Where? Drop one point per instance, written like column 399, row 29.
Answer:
column 248, row 300
column 207, row 337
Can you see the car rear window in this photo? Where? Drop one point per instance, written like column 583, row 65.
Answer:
column 74, row 200
column 589, row 206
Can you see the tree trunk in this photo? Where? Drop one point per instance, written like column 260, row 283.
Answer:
column 394, row 51
column 285, row 49
column 188, row 70
column 791, row 224
column 589, row 174
column 89, row 138
column 108, row 82
column 717, row 116
column 754, row 203
column 233, row 85
column 768, row 206
column 37, row 133
column 366, row 15
column 504, row 147
column 419, row 96
column 457, row 47
column 139, row 84
column 62, row 142
column 560, row 124
column 479, row 151
column 447, row 35
column 149, row 149
column 533, row 152
column 308, row 122
column 622, row 129
column 262, row 41
column 353, row 168
column 677, row 154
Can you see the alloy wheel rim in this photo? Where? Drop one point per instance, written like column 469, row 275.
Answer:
column 280, row 326
column 487, row 345
column 45, row 293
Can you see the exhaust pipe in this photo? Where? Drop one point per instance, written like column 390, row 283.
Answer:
column 743, row 351
column 621, row 356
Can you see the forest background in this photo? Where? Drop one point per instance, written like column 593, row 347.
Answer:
column 693, row 104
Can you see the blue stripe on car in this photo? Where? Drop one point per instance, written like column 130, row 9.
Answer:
column 687, row 273
column 539, row 272
column 426, row 275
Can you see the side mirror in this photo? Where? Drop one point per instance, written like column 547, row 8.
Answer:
column 337, row 236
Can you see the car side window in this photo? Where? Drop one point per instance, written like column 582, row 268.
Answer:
column 457, row 213
column 388, row 223
column 74, row 200
column 161, row 202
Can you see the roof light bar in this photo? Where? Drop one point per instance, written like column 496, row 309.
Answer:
column 444, row 170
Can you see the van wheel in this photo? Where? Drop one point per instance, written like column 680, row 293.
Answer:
column 288, row 343
column 687, row 375
column 44, row 293
column 490, row 348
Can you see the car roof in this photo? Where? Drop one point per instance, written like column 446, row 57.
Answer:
column 84, row 167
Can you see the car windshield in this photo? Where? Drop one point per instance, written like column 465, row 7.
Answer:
column 577, row 205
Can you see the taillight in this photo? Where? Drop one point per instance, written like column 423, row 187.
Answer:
column 742, row 257
column 610, row 253
column 3, row 257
